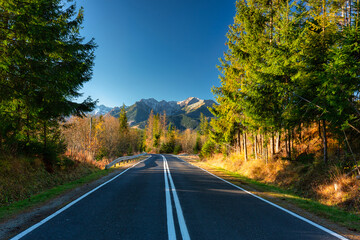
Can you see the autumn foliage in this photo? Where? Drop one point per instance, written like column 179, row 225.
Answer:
column 100, row 138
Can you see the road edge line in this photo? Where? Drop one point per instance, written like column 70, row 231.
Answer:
column 274, row 205
column 33, row 227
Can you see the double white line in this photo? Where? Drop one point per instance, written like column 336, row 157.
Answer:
column 169, row 212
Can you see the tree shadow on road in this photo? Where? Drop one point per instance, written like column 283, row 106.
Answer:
column 149, row 164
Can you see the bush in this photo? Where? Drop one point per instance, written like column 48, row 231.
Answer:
column 208, row 149
column 65, row 163
column 101, row 154
column 130, row 150
column 167, row 147
column 177, row 149
column 197, row 146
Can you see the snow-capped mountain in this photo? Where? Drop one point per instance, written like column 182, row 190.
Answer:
column 189, row 101
column 170, row 107
column 183, row 114
column 101, row 110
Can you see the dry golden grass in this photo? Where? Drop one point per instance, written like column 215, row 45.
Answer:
column 254, row 168
column 22, row 177
column 87, row 158
column 329, row 186
column 341, row 190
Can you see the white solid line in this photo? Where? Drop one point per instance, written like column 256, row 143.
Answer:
column 22, row 234
column 183, row 229
column 169, row 213
column 273, row 204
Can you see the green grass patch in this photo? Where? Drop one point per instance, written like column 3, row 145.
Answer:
column 333, row 213
column 46, row 195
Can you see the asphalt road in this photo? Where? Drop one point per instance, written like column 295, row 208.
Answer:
column 164, row 197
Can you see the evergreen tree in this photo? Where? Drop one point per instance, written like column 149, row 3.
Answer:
column 124, row 126
column 287, row 63
column 197, row 146
column 204, row 125
column 44, row 63
column 320, row 36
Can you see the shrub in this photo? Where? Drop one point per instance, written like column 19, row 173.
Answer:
column 177, row 149
column 208, row 149
column 167, row 147
column 197, row 146
column 101, row 154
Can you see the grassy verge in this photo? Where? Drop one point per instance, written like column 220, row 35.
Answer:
column 44, row 196
column 347, row 219
column 335, row 214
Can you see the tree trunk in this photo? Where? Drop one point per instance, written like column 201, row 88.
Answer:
column 289, row 144
column 260, row 145
column 325, row 142
column 292, row 138
column 286, row 145
column 245, row 149
column 272, row 145
column 267, row 153
column 253, row 146
column 277, row 142
column 256, row 147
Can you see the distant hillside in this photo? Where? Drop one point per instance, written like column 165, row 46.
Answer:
column 183, row 114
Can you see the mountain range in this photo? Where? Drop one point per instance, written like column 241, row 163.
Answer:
column 182, row 114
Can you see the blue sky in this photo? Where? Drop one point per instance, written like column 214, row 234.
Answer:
column 164, row 49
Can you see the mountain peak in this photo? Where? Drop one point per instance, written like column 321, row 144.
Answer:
column 188, row 101
column 100, row 110
column 148, row 100
column 182, row 114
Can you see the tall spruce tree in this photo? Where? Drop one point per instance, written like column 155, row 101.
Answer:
column 321, row 31
column 124, row 126
column 44, row 63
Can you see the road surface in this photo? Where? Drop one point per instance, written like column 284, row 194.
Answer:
column 164, row 197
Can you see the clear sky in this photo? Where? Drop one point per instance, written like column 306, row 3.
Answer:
column 164, row 49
